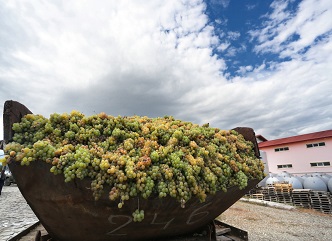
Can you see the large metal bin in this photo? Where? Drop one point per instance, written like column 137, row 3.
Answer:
column 69, row 212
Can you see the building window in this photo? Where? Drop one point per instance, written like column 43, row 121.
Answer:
column 315, row 144
column 281, row 149
column 285, row 166
column 320, row 164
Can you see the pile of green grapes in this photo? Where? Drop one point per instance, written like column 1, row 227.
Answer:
column 137, row 156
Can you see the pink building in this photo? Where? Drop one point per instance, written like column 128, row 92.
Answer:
column 308, row 153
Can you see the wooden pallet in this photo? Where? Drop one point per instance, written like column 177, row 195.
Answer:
column 323, row 208
column 283, row 192
column 282, row 198
column 250, row 193
column 267, row 191
column 258, row 196
column 321, row 201
column 306, row 198
column 320, row 194
column 301, row 197
column 283, row 188
column 271, row 199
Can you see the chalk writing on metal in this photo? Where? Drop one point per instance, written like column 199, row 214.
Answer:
column 195, row 216
column 166, row 223
column 195, row 213
column 110, row 219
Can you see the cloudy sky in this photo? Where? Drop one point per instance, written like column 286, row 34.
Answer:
column 263, row 64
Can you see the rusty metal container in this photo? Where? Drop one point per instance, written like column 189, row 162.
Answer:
column 69, row 212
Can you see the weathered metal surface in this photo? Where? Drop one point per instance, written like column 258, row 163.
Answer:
column 249, row 135
column 69, row 212
column 13, row 112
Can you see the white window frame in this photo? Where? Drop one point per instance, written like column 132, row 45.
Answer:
column 320, row 164
column 286, row 148
column 283, row 166
column 316, row 144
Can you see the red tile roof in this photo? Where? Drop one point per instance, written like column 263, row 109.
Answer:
column 299, row 138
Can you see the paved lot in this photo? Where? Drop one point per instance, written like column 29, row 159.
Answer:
column 15, row 213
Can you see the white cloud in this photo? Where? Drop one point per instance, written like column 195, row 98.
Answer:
column 233, row 35
column 310, row 21
column 244, row 69
column 223, row 46
column 157, row 58
column 218, row 21
column 223, row 3
column 251, row 6
column 71, row 47
column 232, row 51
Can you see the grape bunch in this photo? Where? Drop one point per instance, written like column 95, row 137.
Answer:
column 138, row 215
column 136, row 156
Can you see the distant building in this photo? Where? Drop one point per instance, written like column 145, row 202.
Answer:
column 308, row 153
column 260, row 138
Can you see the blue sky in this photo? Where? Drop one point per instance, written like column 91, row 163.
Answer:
column 236, row 23
column 233, row 21
column 263, row 64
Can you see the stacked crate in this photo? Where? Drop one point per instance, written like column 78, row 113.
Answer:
column 283, row 192
column 250, row 193
column 258, row 196
column 268, row 193
column 321, row 201
column 301, row 198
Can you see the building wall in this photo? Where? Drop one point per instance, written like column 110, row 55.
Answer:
column 300, row 157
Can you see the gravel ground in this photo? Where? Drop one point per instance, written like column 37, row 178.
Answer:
column 267, row 223
column 262, row 223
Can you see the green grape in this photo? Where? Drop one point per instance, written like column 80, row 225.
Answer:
column 138, row 215
column 136, row 156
